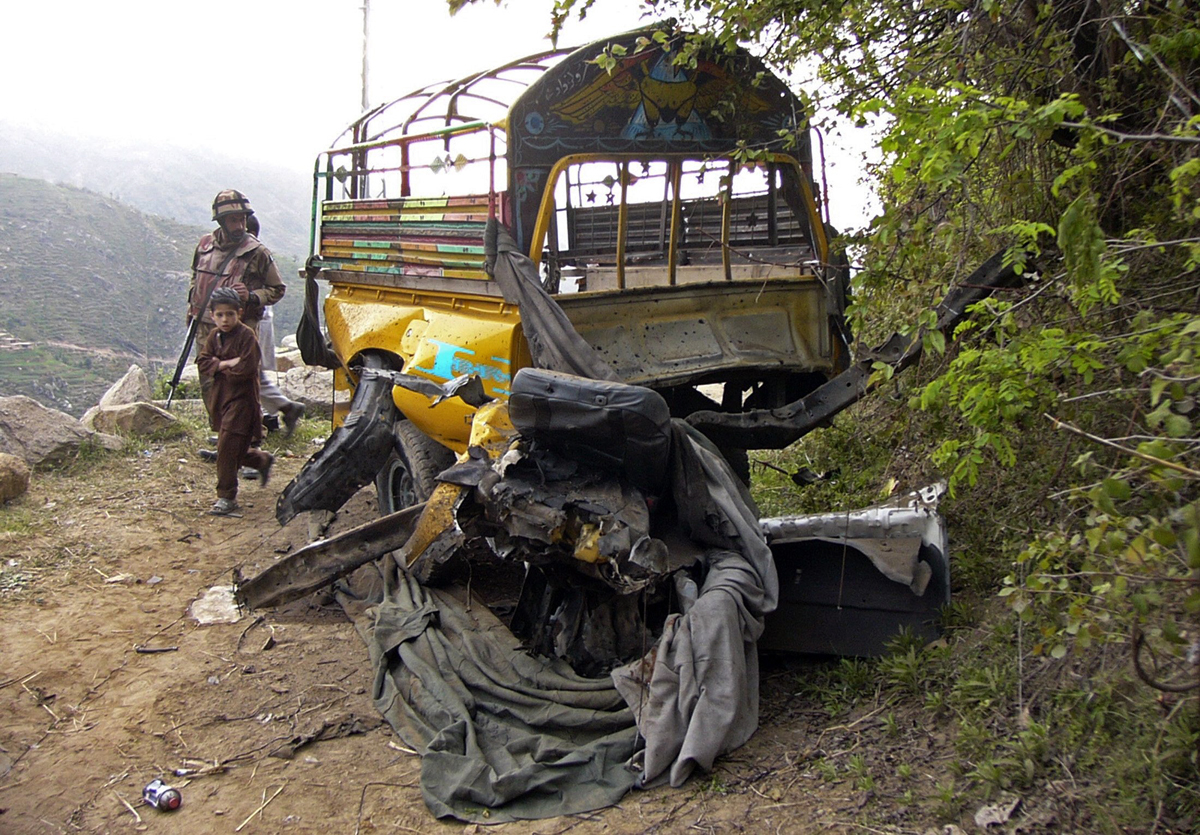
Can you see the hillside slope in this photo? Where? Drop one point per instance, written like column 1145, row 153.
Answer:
column 164, row 180
column 90, row 286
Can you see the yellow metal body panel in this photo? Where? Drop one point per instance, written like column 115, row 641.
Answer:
column 437, row 519
column 587, row 546
column 492, row 429
column 435, row 335
column 342, row 384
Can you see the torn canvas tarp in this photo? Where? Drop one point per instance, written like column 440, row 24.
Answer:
column 553, row 341
column 503, row 735
column 701, row 696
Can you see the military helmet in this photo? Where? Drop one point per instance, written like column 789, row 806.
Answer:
column 230, row 202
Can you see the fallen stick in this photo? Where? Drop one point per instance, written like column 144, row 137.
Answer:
column 23, row 678
column 132, row 810
column 258, row 811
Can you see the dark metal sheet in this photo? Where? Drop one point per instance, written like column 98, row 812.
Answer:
column 319, row 564
column 833, row 601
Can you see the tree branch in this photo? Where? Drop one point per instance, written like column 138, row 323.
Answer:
column 1134, row 137
column 1058, row 424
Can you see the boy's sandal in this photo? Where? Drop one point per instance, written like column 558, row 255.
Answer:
column 225, row 507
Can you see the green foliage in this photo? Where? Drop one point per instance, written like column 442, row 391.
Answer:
column 854, row 465
column 15, row 519
column 713, row 784
column 1064, row 415
column 186, row 390
column 858, row 769
column 837, row 686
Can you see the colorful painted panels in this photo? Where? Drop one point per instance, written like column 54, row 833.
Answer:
column 438, row 236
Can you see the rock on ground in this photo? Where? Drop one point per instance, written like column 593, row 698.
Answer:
column 313, row 387
column 36, row 434
column 131, row 388
column 287, row 360
column 133, row 419
column 14, row 477
column 113, row 443
column 191, row 374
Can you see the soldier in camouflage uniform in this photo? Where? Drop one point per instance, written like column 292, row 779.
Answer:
column 231, row 257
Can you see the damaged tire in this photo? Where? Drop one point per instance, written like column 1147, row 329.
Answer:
column 410, row 473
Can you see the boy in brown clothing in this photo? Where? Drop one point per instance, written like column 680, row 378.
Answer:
column 230, row 358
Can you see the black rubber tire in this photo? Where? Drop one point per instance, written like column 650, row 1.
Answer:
column 410, row 472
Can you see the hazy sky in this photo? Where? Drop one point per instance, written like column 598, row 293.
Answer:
column 268, row 80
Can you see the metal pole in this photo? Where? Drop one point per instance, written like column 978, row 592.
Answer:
column 366, row 10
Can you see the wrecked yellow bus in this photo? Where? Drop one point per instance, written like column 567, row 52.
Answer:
column 627, row 213
column 672, row 206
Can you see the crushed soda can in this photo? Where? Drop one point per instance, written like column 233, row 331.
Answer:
column 161, row 796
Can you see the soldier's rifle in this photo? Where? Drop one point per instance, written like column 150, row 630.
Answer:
column 183, row 358
column 193, row 328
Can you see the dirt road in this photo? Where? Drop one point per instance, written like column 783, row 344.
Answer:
column 267, row 724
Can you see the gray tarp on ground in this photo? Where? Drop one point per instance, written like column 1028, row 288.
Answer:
column 504, row 735
column 702, row 697
column 497, row 729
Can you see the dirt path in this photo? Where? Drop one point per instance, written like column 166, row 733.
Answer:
column 99, row 566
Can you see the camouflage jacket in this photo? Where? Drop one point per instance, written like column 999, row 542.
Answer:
column 252, row 265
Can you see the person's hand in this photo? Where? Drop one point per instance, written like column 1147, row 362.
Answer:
column 233, row 363
column 242, row 290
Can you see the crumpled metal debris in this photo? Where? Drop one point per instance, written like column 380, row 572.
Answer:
column 595, row 577
column 467, row 387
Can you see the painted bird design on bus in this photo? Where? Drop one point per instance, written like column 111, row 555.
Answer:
column 668, row 102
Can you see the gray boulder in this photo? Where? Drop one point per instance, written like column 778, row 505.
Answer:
column 113, row 443
column 314, row 388
column 287, row 360
column 36, row 434
column 131, row 388
column 89, row 418
column 14, row 477
column 134, row 419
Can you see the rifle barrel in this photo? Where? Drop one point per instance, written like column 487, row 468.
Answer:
column 183, row 358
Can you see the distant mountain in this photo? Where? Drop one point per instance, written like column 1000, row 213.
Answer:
column 164, row 180
column 89, row 286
